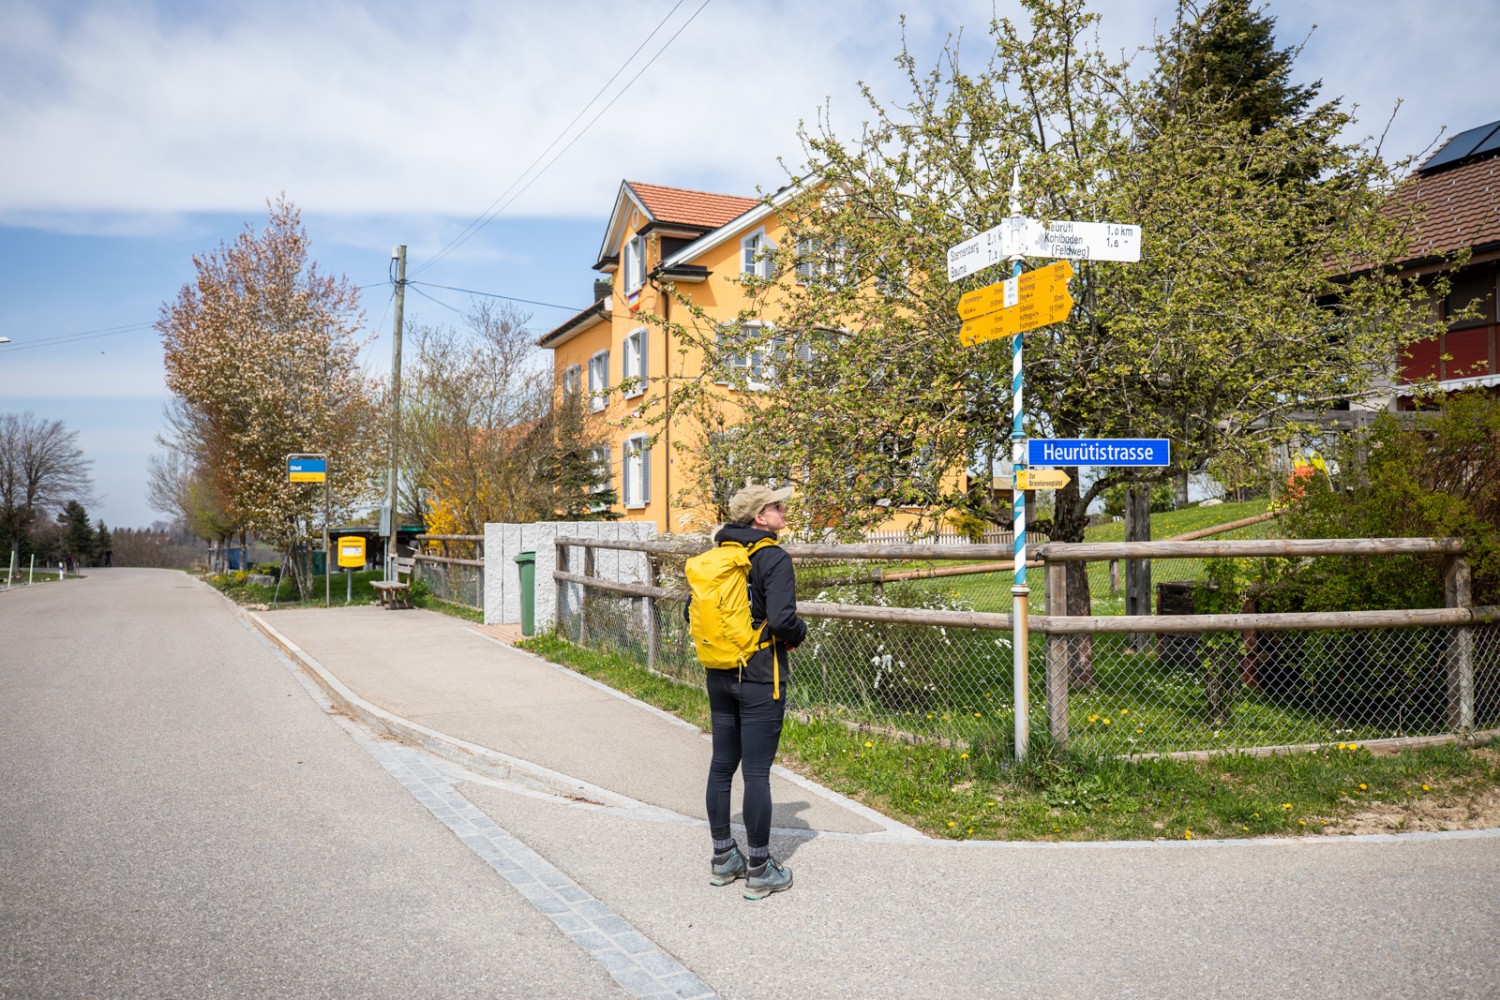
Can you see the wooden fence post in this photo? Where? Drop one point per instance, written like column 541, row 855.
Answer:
column 562, row 588
column 583, row 597
column 1457, row 593
column 1058, row 648
column 653, row 624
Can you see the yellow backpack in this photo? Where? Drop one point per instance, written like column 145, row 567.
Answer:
column 724, row 636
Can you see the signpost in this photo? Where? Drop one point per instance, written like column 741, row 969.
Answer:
column 1021, row 237
column 1115, row 452
column 313, row 468
column 1036, row 299
column 1010, row 308
column 1042, row 479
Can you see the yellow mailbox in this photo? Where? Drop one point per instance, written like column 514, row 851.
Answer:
column 351, row 552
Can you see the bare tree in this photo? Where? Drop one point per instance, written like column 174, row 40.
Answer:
column 476, row 428
column 41, row 469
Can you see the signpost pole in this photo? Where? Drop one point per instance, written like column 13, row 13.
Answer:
column 327, row 553
column 1020, row 595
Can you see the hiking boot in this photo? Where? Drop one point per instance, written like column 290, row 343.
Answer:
column 762, row 880
column 728, row 866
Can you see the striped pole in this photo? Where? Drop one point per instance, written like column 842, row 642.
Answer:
column 1020, row 595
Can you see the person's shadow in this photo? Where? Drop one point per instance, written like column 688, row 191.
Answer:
column 787, row 827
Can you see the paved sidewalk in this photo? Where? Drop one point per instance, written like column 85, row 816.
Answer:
column 431, row 679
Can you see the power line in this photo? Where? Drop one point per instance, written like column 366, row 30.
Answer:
column 506, row 198
column 62, row 340
column 494, row 295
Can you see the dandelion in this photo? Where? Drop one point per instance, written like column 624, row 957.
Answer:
column 951, row 824
column 1187, row 835
column 1245, row 828
column 978, row 716
column 1425, row 788
column 868, row 743
column 1302, row 822
column 1124, row 711
column 971, row 829
column 1106, row 720
column 963, row 756
column 1093, row 718
column 1139, row 730
column 1286, row 805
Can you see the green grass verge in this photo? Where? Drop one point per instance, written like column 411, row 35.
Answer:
column 284, row 594
column 975, row 792
column 1180, row 522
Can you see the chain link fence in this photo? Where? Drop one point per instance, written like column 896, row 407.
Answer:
column 929, row 658
column 452, row 567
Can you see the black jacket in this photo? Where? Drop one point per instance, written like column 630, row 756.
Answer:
column 773, row 600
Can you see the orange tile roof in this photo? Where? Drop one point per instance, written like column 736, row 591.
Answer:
column 692, row 208
column 1456, row 208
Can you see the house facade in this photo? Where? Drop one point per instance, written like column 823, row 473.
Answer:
column 700, row 243
column 1454, row 201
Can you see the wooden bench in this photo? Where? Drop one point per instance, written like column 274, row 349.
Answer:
column 395, row 593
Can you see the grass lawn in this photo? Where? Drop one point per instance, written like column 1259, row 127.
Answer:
column 284, row 594
column 966, row 791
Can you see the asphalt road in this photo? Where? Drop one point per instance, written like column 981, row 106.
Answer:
column 179, row 819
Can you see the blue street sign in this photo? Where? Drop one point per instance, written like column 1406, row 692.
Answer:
column 301, row 469
column 1098, row 451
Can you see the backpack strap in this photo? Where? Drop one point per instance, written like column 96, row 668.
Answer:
column 775, row 662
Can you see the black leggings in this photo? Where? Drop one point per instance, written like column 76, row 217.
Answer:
column 746, row 732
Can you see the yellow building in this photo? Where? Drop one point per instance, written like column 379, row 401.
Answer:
column 704, row 245
column 619, row 361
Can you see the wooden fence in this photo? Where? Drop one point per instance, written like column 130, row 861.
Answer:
column 1062, row 629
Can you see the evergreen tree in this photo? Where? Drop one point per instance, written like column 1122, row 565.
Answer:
column 1223, row 53
column 575, row 470
column 78, row 537
column 102, row 542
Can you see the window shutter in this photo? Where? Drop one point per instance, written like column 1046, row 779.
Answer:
column 645, row 476
column 625, row 477
column 642, row 343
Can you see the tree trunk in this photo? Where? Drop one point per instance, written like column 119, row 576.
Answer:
column 1180, row 491
column 1138, row 571
column 1070, row 520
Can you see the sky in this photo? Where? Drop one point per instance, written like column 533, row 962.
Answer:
column 489, row 138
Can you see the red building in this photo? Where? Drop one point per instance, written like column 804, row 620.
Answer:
column 1455, row 200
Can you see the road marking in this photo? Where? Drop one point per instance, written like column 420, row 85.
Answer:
column 634, row 961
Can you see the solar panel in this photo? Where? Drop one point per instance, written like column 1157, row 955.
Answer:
column 1489, row 145
column 1461, row 145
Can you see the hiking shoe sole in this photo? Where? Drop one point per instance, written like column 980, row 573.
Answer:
column 762, row 891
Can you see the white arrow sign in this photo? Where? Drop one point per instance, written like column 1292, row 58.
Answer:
column 1021, row 237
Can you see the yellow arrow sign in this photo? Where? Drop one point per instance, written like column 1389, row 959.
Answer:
column 1041, row 479
column 1035, row 299
column 1043, row 283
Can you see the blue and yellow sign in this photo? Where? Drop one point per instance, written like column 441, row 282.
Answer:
column 307, row 468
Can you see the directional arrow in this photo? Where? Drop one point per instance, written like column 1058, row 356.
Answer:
column 1040, row 298
column 1043, row 283
column 1041, row 479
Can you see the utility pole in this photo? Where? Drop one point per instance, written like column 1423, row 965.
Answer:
column 398, row 254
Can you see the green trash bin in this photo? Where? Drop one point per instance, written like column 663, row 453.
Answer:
column 526, row 562
column 320, row 562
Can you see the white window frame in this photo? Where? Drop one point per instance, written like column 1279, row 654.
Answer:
column 599, row 457
column 815, row 265
column 635, row 472
column 572, row 380
column 598, row 380
column 757, row 255
column 759, row 364
column 633, row 263
column 635, row 362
